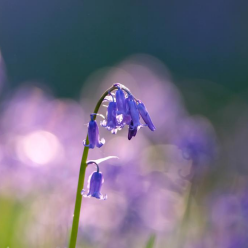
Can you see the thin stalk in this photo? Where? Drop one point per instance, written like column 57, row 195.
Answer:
column 74, row 229
column 182, row 230
column 185, row 219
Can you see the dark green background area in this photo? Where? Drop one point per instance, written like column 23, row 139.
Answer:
column 61, row 42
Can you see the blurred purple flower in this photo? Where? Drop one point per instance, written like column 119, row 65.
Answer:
column 145, row 116
column 93, row 134
column 94, row 185
column 196, row 140
column 226, row 217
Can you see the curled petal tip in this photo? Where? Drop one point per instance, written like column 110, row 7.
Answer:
column 103, row 123
column 100, row 143
column 114, row 131
column 100, row 197
column 89, row 145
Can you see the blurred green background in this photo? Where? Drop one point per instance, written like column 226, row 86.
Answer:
column 62, row 42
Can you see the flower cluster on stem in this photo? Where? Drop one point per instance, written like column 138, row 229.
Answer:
column 123, row 109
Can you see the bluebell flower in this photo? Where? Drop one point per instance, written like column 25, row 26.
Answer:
column 120, row 101
column 133, row 110
column 197, row 140
column 125, row 118
column 94, row 186
column 123, row 115
column 111, row 124
column 145, row 116
column 93, row 135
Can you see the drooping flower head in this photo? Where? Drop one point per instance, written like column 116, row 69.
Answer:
column 93, row 134
column 123, row 109
column 94, row 186
column 96, row 181
column 129, row 111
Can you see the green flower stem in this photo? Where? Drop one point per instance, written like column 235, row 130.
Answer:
column 83, row 166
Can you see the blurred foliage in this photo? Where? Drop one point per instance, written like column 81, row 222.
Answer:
column 151, row 241
column 62, row 42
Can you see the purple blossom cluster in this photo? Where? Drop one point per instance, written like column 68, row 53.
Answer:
column 123, row 109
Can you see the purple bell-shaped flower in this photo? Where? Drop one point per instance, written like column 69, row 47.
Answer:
column 94, row 186
column 145, row 116
column 125, row 118
column 111, row 124
column 120, row 101
column 135, row 123
column 123, row 115
column 93, row 135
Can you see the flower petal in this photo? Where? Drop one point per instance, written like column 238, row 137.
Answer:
column 145, row 115
column 133, row 111
column 120, row 100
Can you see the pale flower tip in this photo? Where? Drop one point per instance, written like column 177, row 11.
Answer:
column 83, row 193
column 102, row 141
column 114, row 131
column 90, row 146
column 103, row 123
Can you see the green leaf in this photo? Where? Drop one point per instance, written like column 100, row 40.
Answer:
column 151, row 241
